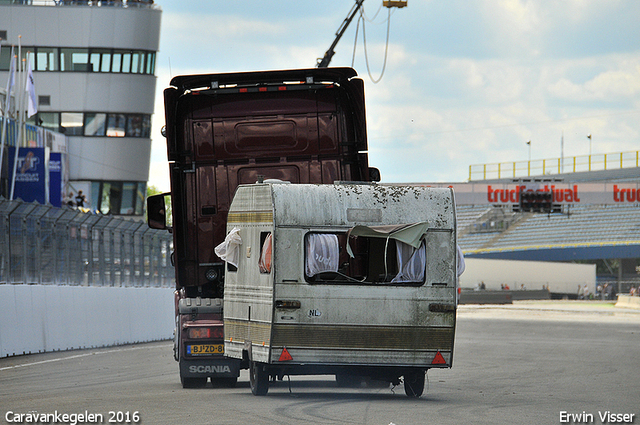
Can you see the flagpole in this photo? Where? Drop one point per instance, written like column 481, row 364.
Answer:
column 562, row 153
column 20, row 120
column 7, row 103
column 4, row 120
column 31, row 108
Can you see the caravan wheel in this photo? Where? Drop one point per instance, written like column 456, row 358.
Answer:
column 258, row 378
column 414, row 383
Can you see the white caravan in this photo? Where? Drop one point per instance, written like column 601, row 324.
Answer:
column 354, row 280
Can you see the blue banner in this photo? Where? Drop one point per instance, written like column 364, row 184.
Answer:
column 30, row 174
column 55, row 179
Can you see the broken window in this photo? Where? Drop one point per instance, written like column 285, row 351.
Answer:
column 367, row 255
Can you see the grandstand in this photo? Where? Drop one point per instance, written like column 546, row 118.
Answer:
column 605, row 234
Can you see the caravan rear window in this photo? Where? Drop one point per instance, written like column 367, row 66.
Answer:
column 372, row 261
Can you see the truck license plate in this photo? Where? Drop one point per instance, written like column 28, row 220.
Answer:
column 202, row 349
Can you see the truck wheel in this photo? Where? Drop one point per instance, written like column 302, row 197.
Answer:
column 193, row 382
column 258, row 378
column 414, row 383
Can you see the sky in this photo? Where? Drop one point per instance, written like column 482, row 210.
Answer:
column 465, row 82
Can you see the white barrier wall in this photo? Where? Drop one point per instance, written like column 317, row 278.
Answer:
column 627, row 301
column 561, row 278
column 39, row 318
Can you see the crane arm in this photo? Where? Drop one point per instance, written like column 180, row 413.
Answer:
column 324, row 62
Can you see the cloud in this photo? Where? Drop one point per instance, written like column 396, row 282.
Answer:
column 619, row 83
column 465, row 82
column 212, row 27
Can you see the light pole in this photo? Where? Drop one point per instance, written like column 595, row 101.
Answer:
column 529, row 144
column 589, row 137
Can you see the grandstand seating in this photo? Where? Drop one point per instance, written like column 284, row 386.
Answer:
column 578, row 225
column 486, row 229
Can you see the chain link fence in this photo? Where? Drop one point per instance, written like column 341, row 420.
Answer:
column 41, row 244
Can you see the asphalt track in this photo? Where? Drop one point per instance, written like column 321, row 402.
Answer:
column 526, row 363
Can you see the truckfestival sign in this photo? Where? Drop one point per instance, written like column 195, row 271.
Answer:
column 563, row 193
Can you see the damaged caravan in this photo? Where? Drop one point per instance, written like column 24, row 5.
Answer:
column 354, row 280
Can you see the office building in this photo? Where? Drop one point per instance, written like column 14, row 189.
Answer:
column 94, row 71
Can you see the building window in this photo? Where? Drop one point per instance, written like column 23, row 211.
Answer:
column 44, row 100
column 74, row 60
column 101, row 60
column 118, row 198
column 116, row 64
column 137, row 62
column 116, row 125
column 47, row 59
column 94, row 124
column 67, row 59
column 49, row 120
column 134, row 125
column 5, row 58
column 151, row 63
column 141, row 195
column 126, row 62
column 71, row 123
column 146, row 126
column 128, row 198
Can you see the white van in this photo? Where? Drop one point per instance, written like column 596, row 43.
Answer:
column 355, row 280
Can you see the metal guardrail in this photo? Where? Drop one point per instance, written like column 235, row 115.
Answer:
column 102, row 3
column 42, row 244
column 541, row 167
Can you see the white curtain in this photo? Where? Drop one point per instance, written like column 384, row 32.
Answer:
column 461, row 265
column 264, row 263
column 411, row 262
column 322, row 253
column 229, row 250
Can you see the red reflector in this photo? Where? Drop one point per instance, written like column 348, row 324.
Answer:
column 438, row 359
column 285, row 356
column 262, row 89
column 243, row 90
column 282, row 88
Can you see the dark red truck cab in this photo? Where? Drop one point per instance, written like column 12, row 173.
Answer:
column 223, row 130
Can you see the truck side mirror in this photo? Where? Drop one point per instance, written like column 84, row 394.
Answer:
column 157, row 212
column 374, row 174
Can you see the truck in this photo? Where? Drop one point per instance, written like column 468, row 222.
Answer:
column 224, row 130
column 351, row 280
